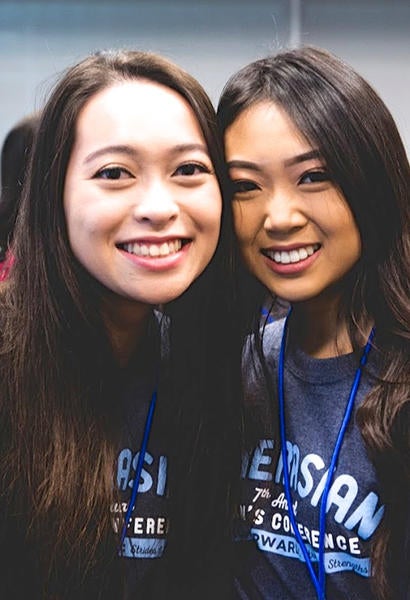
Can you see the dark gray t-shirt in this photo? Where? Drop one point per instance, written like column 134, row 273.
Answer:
column 146, row 534
column 271, row 563
column 145, row 539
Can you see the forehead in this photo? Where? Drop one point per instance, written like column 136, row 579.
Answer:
column 265, row 124
column 137, row 106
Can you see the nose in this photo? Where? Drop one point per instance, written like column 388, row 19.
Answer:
column 156, row 205
column 284, row 214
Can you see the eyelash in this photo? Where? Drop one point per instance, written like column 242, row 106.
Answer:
column 193, row 167
column 243, row 186
column 246, row 186
column 102, row 174
column 316, row 176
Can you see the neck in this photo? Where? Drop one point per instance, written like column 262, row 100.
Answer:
column 319, row 331
column 126, row 323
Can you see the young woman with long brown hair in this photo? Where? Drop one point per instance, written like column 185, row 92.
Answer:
column 121, row 213
column 321, row 207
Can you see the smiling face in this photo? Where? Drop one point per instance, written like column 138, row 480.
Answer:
column 141, row 198
column 295, row 230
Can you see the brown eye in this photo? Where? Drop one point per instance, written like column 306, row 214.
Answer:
column 112, row 173
column 189, row 169
column 314, row 177
column 241, row 186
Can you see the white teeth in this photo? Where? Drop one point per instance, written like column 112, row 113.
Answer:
column 154, row 250
column 293, row 256
column 165, row 249
column 285, row 257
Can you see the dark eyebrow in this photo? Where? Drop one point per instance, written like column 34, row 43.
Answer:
column 118, row 149
column 251, row 166
column 134, row 153
column 244, row 164
column 303, row 157
column 179, row 148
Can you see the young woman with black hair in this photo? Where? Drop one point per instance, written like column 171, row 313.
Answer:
column 321, row 209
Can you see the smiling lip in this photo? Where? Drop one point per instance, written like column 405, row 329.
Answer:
column 292, row 259
column 153, row 249
column 158, row 255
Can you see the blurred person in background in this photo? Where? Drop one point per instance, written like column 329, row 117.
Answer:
column 15, row 157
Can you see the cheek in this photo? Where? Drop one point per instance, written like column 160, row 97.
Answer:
column 81, row 226
column 207, row 211
column 88, row 210
column 348, row 233
column 212, row 232
column 85, row 217
column 355, row 241
column 244, row 223
column 215, row 216
column 74, row 224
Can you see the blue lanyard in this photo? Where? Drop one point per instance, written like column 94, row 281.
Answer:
column 318, row 580
column 141, row 456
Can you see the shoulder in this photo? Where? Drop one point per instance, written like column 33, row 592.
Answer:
column 262, row 347
column 268, row 337
column 271, row 336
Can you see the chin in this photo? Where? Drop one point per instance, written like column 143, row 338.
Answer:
column 162, row 297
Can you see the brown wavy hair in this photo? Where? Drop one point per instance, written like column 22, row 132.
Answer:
column 342, row 116
column 58, row 378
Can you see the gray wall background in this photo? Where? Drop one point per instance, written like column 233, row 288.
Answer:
column 211, row 39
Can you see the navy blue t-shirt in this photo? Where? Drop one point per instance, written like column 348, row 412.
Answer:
column 271, row 564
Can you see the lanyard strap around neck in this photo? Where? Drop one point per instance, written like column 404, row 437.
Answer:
column 318, row 580
column 141, row 456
